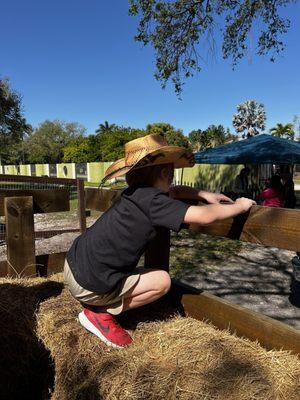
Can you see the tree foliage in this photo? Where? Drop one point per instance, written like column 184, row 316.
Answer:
column 104, row 146
column 214, row 135
column 106, row 127
column 249, row 119
column 177, row 29
column 175, row 137
column 13, row 126
column 285, row 131
column 79, row 150
column 109, row 146
column 46, row 143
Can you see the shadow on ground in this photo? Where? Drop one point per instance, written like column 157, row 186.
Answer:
column 253, row 276
column 26, row 370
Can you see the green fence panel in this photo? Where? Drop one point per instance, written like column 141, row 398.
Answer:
column 66, row 170
column 96, row 171
column 208, row 176
column 11, row 169
column 205, row 176
column 25, row 169
column 41, row 169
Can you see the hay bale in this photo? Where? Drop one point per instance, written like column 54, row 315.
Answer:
column 25, row 364
column 178, row 358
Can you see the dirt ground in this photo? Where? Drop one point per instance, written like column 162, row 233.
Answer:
column 250, row 275
column 254, row 276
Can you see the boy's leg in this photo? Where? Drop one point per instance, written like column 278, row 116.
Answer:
column 101, row 324
column 151, row 286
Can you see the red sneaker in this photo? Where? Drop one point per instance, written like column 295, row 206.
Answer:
column 105, row 327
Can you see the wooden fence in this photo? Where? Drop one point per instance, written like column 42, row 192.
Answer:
column 19, row 206
column 267, row 226
column 44, row 200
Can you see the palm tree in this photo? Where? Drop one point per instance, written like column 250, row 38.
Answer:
column 296, row 125
column 283, row 130
column 216, row 134
column 250, row 118
column 104, row 128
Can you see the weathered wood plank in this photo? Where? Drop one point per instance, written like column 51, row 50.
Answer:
column 48, row 234
column 37, row 179
column 48, row 264
column 270, row 333
column 3, row 268
column 20, row 236
column 101, row 199
column 269, row 226
column 81, row 205
column 44, row 200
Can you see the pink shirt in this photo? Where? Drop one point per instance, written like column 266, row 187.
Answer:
column 272, row 198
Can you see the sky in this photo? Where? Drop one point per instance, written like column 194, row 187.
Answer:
column 77, row 60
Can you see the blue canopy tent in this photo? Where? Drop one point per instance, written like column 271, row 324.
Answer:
column 260, row 149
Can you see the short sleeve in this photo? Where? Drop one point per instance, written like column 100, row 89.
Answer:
column 167, row 212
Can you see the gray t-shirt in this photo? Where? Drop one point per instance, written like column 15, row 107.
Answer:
column 111, row 248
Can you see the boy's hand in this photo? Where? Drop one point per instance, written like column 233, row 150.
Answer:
column 215, row 198
column 245, row 204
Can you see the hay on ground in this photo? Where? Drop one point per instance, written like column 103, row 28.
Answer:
column 45, row 353
column 25, row 364
column 177, row 358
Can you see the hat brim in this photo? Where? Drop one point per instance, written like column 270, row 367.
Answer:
column 179, row 156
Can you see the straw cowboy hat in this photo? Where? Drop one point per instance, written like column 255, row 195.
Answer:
column 149, row 150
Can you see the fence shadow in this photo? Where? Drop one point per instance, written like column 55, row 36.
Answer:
column 257, row 277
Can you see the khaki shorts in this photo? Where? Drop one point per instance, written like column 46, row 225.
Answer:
column 114, row 299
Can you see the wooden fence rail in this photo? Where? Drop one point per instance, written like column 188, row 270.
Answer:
column 269, row 226
column 37, row 179
column 19, row 207
column 44, row 200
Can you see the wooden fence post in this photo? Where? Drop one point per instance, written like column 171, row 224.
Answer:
column 81, row 205
column 20, row 236
column 158, row 252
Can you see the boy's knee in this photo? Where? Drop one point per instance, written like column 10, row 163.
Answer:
column 164, row 282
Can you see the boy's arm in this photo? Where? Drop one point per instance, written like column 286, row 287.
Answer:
column 187, row 192
column 210, row 213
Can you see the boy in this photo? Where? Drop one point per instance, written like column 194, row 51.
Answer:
column 100, row 269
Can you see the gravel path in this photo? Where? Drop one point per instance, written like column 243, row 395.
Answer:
column 257, row 277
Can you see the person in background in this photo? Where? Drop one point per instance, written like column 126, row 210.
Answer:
column 273, row 196
column 289, row 191
column 241, row 183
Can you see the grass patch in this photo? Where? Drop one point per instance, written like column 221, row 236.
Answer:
column 93, row 184
column 111, row 186
column 191, row 251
